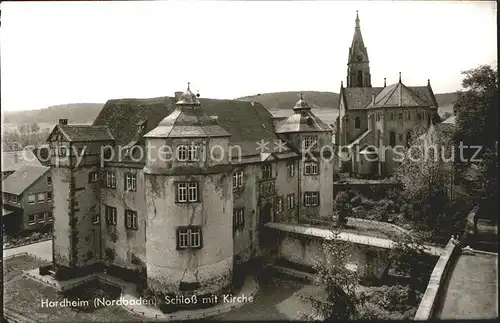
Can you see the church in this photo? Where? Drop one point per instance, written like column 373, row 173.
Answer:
column 374, row 120
column 173, row 192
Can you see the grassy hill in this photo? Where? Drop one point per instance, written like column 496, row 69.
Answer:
column 74, row 112
column 279, row 103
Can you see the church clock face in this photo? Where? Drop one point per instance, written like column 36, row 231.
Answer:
column 359, row 57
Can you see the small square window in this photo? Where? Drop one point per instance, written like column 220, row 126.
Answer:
column 31, row 219
column 31, row 198
column 49, row 196
column 93, row 177
column 49, row 180
column 40, row 197
column 189, row 238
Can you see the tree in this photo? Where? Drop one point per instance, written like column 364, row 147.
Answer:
column 342, row 207
column 409, row 258
column 339, row 283
column 34, row 127
column 425, row 174
column 476, row 108
column 477, row 125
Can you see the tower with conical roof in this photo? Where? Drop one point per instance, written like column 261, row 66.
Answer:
column 310, row 136
column 358, row 64
column 189, row 203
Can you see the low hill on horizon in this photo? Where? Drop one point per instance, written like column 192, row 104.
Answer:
column 278, row 103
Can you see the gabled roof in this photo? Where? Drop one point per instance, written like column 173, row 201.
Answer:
column 13, row 160
column 247, row 122
column 74, row 133
column 23, row 178
column 398, row 95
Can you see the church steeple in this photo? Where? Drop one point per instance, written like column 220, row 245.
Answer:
column 358, row 64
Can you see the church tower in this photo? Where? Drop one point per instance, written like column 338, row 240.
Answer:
column 358, row 64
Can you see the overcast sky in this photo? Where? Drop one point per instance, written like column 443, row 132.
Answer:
column 57, row 53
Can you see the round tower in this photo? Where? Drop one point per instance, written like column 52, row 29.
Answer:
column 189, row 203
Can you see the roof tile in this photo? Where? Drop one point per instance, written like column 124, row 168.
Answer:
column 23, row 178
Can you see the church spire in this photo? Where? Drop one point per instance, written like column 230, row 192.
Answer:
column 358, row 70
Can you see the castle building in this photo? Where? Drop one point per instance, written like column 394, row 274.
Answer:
column 173, row 192
column 374, row 117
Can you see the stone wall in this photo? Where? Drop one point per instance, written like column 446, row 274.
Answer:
column 305, row 250
column 437, row 282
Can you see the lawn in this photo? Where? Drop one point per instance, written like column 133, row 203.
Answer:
column 15, row 265
column 24, row 296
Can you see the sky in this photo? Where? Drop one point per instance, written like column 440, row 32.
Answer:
column 71, row 52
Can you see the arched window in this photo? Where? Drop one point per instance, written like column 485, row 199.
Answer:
column 357, row 123
column 360, row 78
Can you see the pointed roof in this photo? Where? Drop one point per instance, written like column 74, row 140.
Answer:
column 188, row 98
column 303, row 120
column 398, row 95
column 301, row 105
column 188, row 120
column 357, row 51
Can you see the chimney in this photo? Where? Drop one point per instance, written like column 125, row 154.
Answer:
column 214, row 117
column 384, row 81
column 428, row 82
column 63, row 122
column 177, row 96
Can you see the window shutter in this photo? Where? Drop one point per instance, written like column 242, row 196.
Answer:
column 125, row 181
column 243, row 217
column 176, row 188
column 304, row 199
column 125, row 219
column 318, row 198
column 177, row 239
column 201, row 238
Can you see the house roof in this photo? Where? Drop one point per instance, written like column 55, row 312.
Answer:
column 188, row 120
column 398, row 95
column 23, row 178
column 303, row 120
column 247, row 122
column 356, row 98
column 75, row 133
column 13, row 160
